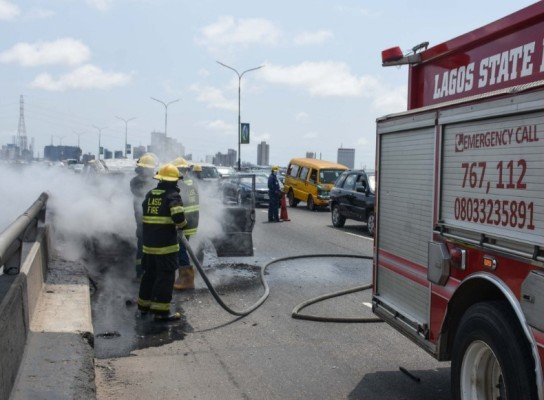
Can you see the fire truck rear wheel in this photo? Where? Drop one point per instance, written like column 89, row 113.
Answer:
column 491, row 358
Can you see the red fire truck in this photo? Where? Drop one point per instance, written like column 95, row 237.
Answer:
column 459, row 245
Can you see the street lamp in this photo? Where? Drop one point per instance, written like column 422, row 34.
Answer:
column 165, row 111
column 99, row 137
column 239, row 121
column 78, row 137
column 126, row 121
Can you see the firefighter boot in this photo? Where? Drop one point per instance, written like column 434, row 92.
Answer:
column 186, row 279
column 167, row 317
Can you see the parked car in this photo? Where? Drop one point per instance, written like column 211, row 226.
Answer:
column 226, row 172
column 239, row 187
column 310, row 180
column 353, row 197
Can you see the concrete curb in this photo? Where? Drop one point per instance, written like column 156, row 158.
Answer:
column 58, row 359
column 19, row 296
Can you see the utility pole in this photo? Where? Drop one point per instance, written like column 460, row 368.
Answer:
column 240, row 75
column 99, row 137
column 126, row 121
column 165, row 111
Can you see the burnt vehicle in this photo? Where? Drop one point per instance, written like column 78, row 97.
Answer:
column 353, row 197
column 238, row 189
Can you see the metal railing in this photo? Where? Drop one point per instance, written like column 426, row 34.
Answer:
column 23, row 229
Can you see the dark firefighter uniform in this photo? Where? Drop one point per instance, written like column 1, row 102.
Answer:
column 139, row 186
column 163, row 214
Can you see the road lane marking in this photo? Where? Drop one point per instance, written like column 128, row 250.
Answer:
column 367, row 304
column 361, row 236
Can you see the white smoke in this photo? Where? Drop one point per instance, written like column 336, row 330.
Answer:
column 80, row 206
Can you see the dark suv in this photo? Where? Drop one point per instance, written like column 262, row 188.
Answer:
column 353, row 197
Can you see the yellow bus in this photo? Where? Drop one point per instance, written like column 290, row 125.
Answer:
column 311, row 180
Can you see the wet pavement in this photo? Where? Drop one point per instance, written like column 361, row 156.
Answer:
column 120, row 329
column 268, row 354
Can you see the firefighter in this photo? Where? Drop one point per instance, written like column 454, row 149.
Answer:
column 190, row 198
column 196, row 171
column 163, row 215
column 274, row 193
column 139, row 186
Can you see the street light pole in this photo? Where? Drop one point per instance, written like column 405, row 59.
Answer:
column 165, row 111
column 240, row 75
column 78, row 137
column 99, row 137
column 126, row 121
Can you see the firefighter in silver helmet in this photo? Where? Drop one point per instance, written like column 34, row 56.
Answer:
column 190, row 197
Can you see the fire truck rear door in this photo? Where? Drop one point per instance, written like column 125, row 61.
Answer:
column 405, row 213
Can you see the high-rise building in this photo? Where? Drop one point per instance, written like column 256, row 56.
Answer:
column 310, row 154
column 263, row 153
column 225, row 160
column 346, row 157
column 166, row 147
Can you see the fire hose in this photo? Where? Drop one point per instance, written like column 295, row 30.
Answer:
column 296, row 311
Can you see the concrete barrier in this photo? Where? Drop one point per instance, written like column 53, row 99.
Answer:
column 19, row 295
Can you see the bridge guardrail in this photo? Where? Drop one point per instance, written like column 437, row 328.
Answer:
column 23, row 229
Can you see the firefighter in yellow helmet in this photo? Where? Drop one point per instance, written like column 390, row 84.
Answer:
column 139, row 186
column 196, row 171
column 163, row 215
column 190, row 198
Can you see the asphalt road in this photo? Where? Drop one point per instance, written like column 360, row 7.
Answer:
column 268, row 355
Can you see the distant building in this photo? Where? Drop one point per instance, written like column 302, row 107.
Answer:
column 58, row 153
column 225, row 160
column 138, row 151
column 209, row 159
column 346, row 157
column 263, row 153
column 310, row 154
column 189, row 157
column 118, row 154
column 165, row 147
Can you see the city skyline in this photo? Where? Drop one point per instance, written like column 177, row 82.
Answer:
column 80, row 64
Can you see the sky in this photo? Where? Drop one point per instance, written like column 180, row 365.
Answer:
column 82, row 63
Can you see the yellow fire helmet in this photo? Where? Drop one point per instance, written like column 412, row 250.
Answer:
column 148, row 160
column 197, row 168
column 168, row 172
column 180, row 162
column 275, row 168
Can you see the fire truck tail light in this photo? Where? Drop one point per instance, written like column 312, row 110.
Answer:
column 392, row 54
column 458, row 258
column 490, row 262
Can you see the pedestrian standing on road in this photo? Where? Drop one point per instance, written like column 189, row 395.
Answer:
column 139, row 186
column 274, row 194
column 163, row 216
